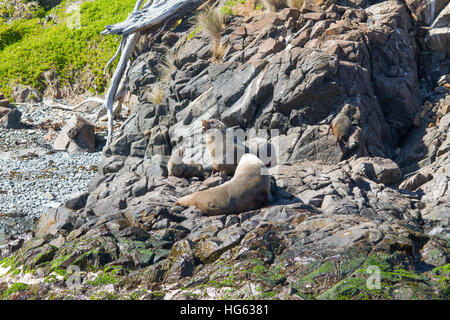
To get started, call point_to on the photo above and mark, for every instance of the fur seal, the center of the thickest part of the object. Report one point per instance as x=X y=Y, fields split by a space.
x=249 y=189
x=218 y=140
x=342 y=124
x=233 y=148
x=178 y=168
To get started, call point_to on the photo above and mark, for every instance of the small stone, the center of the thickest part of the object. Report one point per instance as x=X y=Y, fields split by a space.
x=49 y=196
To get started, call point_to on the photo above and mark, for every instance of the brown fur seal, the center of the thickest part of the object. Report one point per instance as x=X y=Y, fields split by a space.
x=178 y=168
x=342 y=124
x=249 y=189
x=233 y=148
x=218 y=139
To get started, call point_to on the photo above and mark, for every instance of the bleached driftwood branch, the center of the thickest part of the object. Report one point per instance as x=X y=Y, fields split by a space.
x=156 y=13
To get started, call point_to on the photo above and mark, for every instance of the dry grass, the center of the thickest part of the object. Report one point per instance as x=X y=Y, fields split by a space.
x=274 y=5
x=211 y=20
x=156 y=93
x=167 y=66
x=297 y=4
x=218 y=50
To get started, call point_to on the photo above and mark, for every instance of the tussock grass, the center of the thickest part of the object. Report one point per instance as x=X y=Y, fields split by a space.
x=211 y=20
x=219 y=50
x=274 y=5
x=167 y=66
x=156 y=93
x=296 y=4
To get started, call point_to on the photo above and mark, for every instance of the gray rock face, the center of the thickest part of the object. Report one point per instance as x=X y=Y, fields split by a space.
x=294 y=90
x=380 y=200
x=438 y=38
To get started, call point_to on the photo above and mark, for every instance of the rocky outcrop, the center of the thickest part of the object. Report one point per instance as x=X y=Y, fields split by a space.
x=326 y=226
x=438 y=38
x=293 y=87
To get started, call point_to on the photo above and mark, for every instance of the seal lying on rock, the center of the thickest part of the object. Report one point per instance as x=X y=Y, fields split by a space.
x=248 y=190
x=178 y=168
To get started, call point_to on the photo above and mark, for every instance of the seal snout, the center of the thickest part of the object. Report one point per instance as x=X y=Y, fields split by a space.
x=205 y=125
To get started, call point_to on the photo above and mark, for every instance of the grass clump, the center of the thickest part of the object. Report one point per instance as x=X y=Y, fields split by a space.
x=167 y=66
x=156 y=93
x=211 y=20
x=242 y=8
x=296 y=4
x=274 y=5
x=16 y=287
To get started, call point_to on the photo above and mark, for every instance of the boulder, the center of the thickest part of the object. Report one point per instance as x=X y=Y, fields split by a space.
x=380 y=170
x=443 y=19
x=438 y=39
x=12 y=120
x=76 y=136
x=425 y=11
x=25 y=94
x=55 y=220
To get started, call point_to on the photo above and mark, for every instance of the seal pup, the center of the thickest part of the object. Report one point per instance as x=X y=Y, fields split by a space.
x=249 y=189
x=341 y=125
x=225 y=149
x=177 y=167
x=233 y=147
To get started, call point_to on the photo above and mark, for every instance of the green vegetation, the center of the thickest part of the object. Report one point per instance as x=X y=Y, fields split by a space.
x=231 y=7
x=395 y=282
x=8 y=262
x=211 y=20
x=16 y=287
x=271 y=276
x=228 y=5
x=103 y=279
x=72 y=46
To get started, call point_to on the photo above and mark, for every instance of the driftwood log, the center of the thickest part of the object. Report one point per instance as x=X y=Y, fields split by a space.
x=156 y=14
